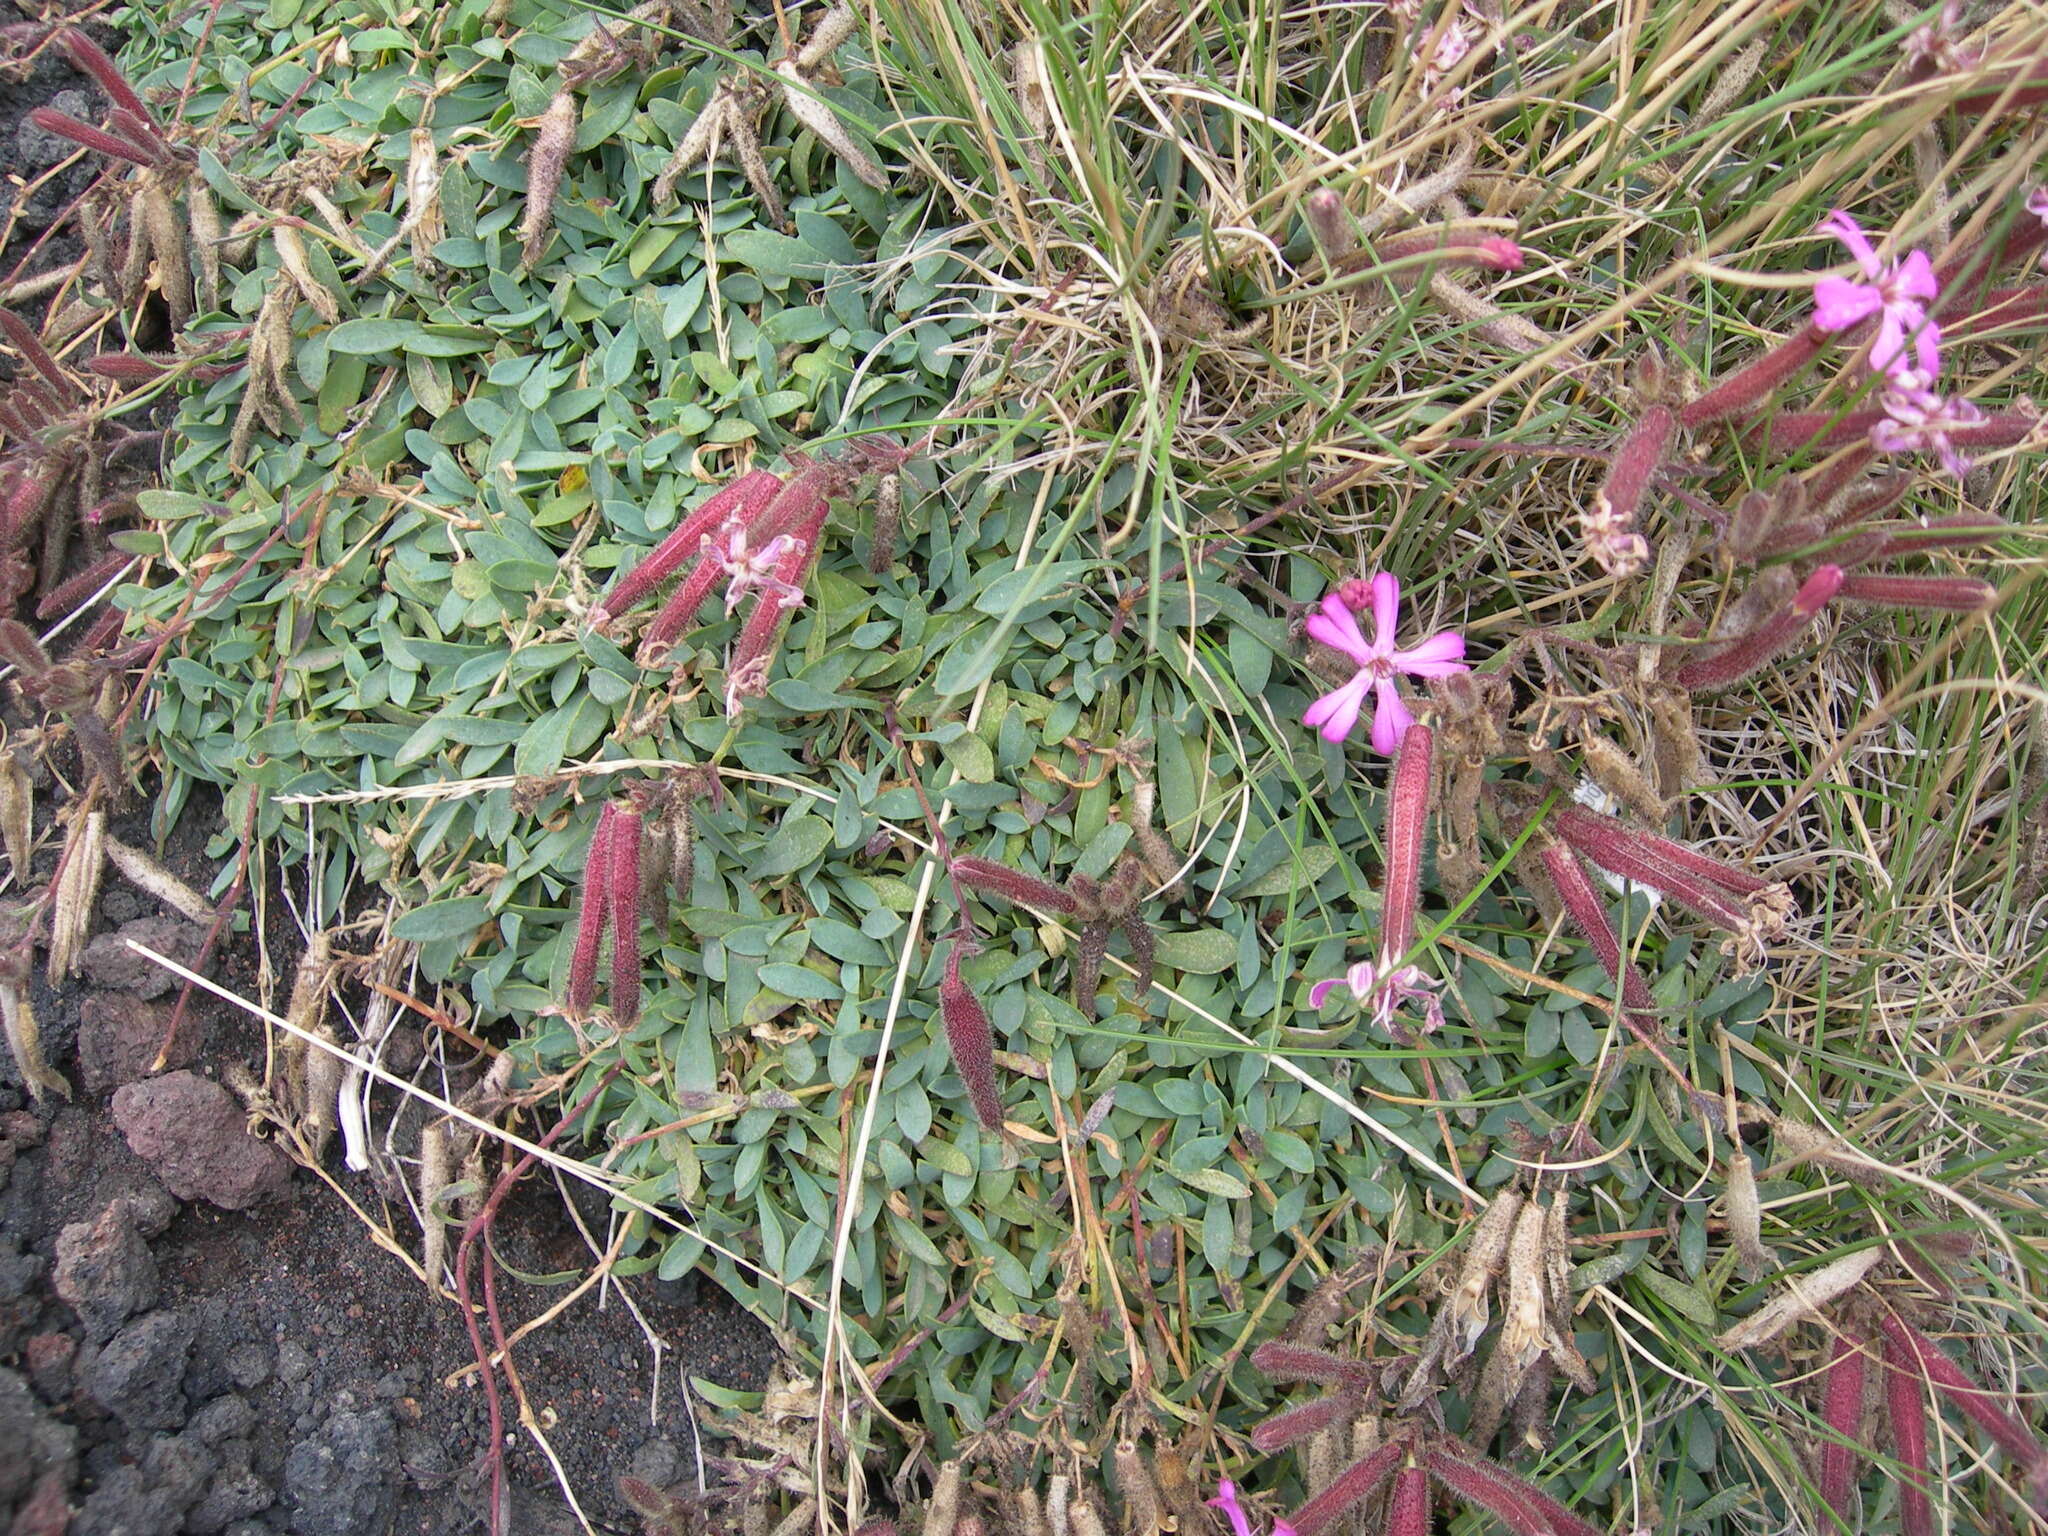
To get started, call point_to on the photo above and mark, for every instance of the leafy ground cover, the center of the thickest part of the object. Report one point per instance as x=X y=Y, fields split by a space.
x=968 y=874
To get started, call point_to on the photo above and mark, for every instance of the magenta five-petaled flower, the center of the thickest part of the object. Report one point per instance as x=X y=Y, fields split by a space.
x=1916 y=419
x=1897 y=293
x=1385 y=990
x=1335 y=713
x=1240 y=1523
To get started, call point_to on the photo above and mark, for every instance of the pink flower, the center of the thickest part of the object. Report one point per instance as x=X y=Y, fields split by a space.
x=752 y=568
x=1897 y=293
x=1240 y=1523
x=1916 y=419
x=1384 y=991
x=1336 y=713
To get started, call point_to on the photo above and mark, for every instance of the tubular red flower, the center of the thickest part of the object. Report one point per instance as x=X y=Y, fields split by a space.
x=1407 y=814
x=1843 y=1413
x=747 y=497
x=1637 y=460
x=1283 y=1361
x=1925 y=1358
x=36 y=355
x=1968 y=531
x=1939 y=594
x=65 y=126
x=1651 y=858
x=799 y=511
x=987 y=876
x=1907 y=1414
x=593 y=914
x=1745 y=654
x=1291 y=1426
x=1354 y=1484
x=624 y=879
x=1518 y=1504
x=1589 y=915
x=1746 y=389
x=1408 y=1509
x=972 y=1042
x=93 y=60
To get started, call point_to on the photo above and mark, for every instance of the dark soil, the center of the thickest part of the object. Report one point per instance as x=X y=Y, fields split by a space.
x=35 y=194
x=167 y=1365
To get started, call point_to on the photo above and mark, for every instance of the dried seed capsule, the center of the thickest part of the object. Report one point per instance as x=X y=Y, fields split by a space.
x=544 y=167
x=888 y=524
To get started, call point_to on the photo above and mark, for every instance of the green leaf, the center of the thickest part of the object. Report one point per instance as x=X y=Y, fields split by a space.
x=971 y=757
x=774 y=255
x=800 y=839
x=455 y=918
x=1214 y=1181
x=1204 y=952
x=1295 y=874
x=1686 y=1300
x=800 y=981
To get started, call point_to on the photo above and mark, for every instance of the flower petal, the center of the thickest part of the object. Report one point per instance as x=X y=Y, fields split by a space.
x=1916 y=278
x=1927 y=346
x=1850 y=233
x=1839 y=303
x=1226 y=1500
x=1390 y=719
x=1335 y=713
x=1889 y=349
x=1335 y=627
x=1386 y=609
x=1320 y=992
x=1439 y=656
x=1361 y=979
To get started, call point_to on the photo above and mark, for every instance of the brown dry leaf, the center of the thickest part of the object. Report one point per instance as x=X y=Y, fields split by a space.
x=25 y=1040
x=1801 y=1297
x=85 y=860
